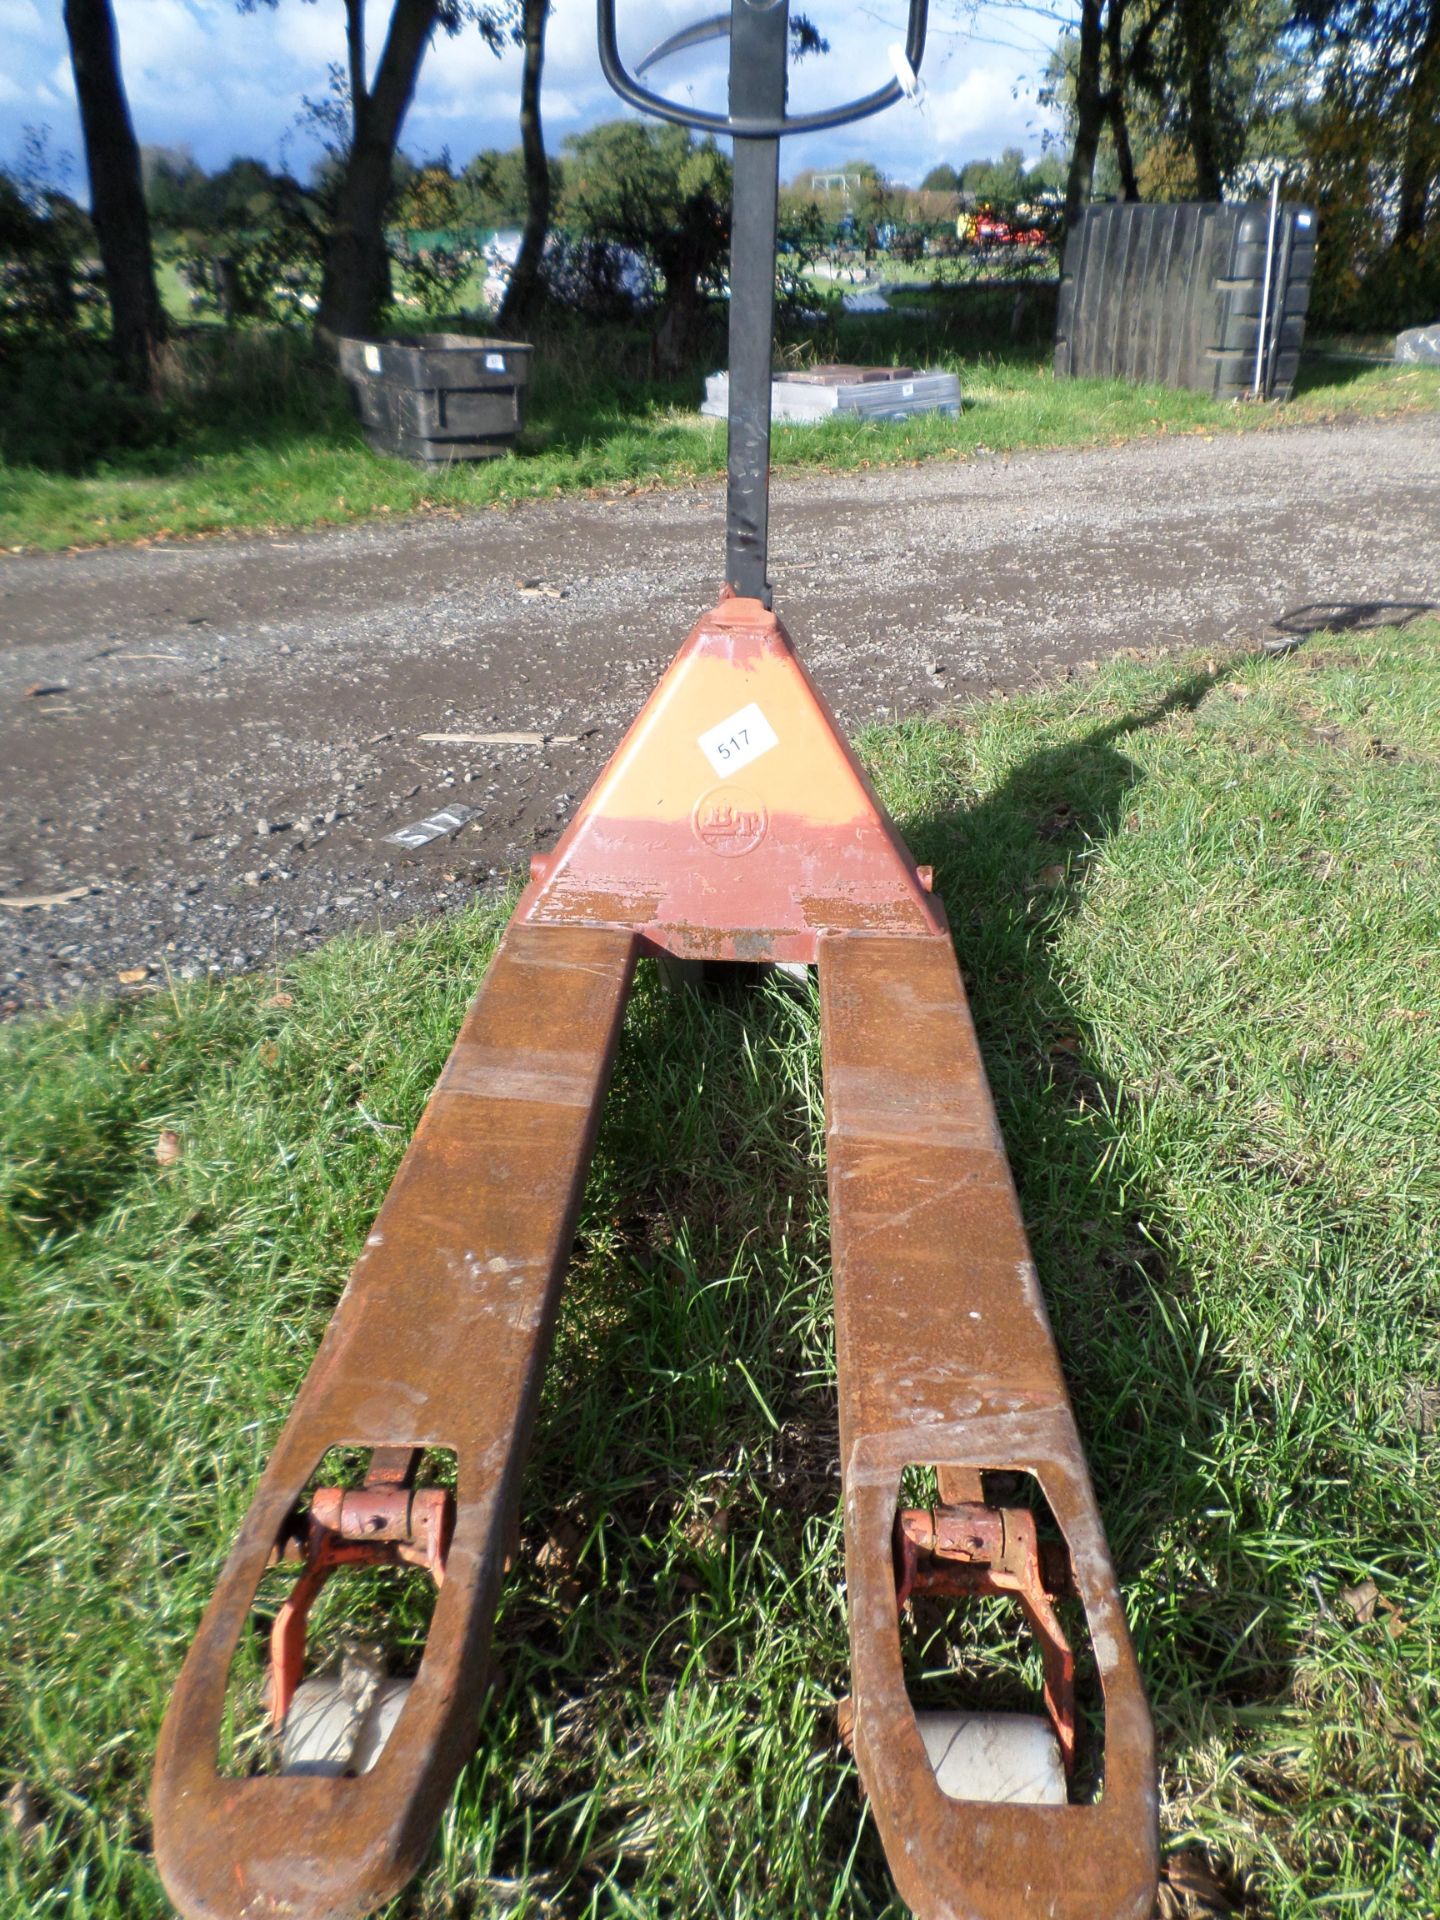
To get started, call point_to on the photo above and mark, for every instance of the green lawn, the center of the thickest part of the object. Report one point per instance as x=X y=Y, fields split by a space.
x=1198 y=906
x=255 y=437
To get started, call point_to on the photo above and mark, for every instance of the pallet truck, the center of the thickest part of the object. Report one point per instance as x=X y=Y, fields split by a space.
x=733 y=824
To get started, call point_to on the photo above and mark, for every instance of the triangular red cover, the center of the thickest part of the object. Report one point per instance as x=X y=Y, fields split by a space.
x=733 y=821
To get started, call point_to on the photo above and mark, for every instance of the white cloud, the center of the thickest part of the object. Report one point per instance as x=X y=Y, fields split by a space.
x=20 y=17
x=201 y=74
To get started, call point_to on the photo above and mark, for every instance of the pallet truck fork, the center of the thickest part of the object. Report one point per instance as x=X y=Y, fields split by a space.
x=732 y=824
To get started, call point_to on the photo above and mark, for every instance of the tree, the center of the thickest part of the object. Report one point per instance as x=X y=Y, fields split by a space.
x=439 y=250
x=42 y=235
x=1166 y=170
x=495 y=182
x=174 y=186
x=183 y=198
x=1380 y=109
x=941 y=179
x=259 y=257
x=1199 y=41
x=1420 y=149
x=1176 y=98
x=117 y=194
x=872 y=198
x=1371 y=149
x=365 y=115
x=523 y=291
x=662 y=195
x=1094 y=75
x=1121 y=61
x=1087 y=103
x=1048 y=175
x=428 y=195
x=999 y=182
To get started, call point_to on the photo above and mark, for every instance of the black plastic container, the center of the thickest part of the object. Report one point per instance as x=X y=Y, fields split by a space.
x=1174 y=294
x=438 y=396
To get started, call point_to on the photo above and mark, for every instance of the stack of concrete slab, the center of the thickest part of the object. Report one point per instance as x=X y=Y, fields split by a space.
x=872 y=393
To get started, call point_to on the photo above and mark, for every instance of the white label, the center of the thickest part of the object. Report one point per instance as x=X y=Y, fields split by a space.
x=372 y=359
x=738 y=740
x=448 y=820
x=1302 y=219
x=907 y=390
x=495 y=363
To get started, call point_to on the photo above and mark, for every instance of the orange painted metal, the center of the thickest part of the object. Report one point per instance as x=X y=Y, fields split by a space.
x=377 y=1525
x=733 y=854
x=954 y=1552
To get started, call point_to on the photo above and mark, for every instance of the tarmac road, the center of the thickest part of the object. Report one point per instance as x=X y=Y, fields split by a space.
x=235 y=726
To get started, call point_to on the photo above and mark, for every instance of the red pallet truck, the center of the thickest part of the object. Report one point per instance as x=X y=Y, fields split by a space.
x=733 y=824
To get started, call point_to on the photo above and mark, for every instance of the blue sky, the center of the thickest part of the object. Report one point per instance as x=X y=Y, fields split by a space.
x=203 y=76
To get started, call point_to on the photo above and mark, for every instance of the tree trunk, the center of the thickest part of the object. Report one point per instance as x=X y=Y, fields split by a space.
x=1420 y=161
x=117 y=195
x=1115 y=98
x=522 y=294
x=356 y=270
x=1124 y=156
x=678 y=323
x=1089 y=112
x=1201 y=42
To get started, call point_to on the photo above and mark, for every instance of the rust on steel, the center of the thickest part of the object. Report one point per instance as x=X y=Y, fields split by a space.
x=438 y=1341
x=414 y=1520
x=385 y=1523
x=945 y=1358
x=956 y=1552
x=735 y=823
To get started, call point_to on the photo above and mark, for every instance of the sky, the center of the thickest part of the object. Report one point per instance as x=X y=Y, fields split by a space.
x=201 y=75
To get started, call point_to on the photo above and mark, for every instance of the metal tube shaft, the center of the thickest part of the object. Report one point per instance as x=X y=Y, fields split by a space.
x=759 y=36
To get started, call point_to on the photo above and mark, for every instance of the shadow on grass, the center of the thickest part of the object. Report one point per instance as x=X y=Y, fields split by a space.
x=559 y=424
x=1325 y=367
x=62 y=410
x=1012 y=323
x=1149 y=1392
x=1343 y=616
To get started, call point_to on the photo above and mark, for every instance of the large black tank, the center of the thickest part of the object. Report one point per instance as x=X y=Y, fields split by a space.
x=1173 y=293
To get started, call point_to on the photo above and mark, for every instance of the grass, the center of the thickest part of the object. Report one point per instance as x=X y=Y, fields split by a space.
x=253 y=436
x=1198 y=907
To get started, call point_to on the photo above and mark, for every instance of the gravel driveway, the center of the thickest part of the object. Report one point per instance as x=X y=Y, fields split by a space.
x=215 y=739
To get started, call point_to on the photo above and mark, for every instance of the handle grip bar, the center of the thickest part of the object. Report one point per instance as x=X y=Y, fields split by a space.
x=744 y=127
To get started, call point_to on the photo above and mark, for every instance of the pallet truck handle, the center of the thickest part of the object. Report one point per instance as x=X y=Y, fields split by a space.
x=744 y=125
x=759 y=33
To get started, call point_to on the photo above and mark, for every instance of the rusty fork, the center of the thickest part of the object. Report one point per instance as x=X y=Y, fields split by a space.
x=439 y=1342
x=386 y=1522
x=943 y=1347
x=965 y=1551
